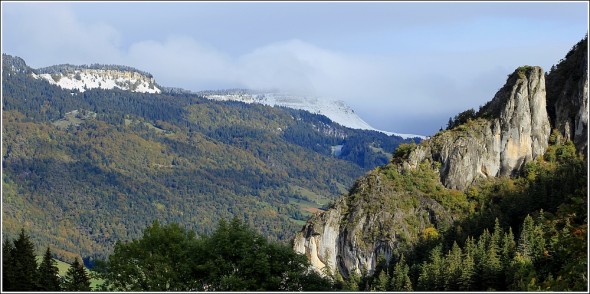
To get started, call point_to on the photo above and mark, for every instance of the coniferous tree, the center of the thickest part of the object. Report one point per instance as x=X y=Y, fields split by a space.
x=76 y=278
x=432 y=273
x=24 y=265
x=531 y=242
x=49 y=279
x=382 y=282
x=353 y=281
x=525 y=241
x=480 y=257
x=453 y=267
x=508 y=249
x=492 y=264
x=466 y=280
x=7 y=265
x=401 y=280
x=522 y=275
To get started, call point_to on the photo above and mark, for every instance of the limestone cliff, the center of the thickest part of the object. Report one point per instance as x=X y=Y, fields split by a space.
x=567 y=95
x=378 y=218
x=83 y=78
x=394 y=205
x=508 y=131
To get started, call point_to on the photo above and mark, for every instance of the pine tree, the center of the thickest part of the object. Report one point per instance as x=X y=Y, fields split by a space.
x=522 y=275
x=353 y=281
x=468 y=271
x=401 y=280
x=24 y=265
x=7 y=265
x=76 y=278
x=531 y=242
x=480 y=256
x=492 y=264
x=466 y=280
x=453 y=267
x=432 y=274
x=524 y=241
x=382 y=281
x=49 y=279
x=508 y=249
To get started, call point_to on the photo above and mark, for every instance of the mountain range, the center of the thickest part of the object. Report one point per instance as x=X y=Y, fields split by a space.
x=97 y=76
x=91 y=156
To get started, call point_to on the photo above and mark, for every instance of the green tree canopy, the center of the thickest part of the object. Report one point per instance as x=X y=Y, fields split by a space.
x=233 y=258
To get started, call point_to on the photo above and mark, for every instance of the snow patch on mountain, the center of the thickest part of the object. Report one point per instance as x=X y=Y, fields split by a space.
x=85 y=79
x=337 y=111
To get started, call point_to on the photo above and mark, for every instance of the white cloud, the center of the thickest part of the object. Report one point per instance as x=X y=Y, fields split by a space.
x=181 y=61
x=295 y=65
x=41 y=30
x=386 y=89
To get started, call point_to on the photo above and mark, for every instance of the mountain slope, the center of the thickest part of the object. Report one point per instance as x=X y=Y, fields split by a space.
x=82 y=170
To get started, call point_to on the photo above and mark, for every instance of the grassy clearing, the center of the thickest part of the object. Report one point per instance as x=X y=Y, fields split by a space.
x=63 y=269
x=309 y=202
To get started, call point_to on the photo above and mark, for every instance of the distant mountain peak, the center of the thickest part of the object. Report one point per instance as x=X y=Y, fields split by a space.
x=84 y=77
x=336 y=110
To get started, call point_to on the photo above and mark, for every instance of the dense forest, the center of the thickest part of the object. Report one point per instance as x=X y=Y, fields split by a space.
x=84 y=170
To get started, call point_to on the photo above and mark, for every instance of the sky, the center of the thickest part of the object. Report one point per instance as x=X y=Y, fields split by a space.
x=404 y=67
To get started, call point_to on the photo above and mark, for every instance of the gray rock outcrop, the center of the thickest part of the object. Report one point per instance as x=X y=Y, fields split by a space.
x=510 y=130
x=568 y=95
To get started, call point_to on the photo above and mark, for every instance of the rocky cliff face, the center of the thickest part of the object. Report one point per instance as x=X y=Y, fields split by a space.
x=83 y=79
x=377 y=219
x=392 y=206
x=509 y=131
x=568 y=95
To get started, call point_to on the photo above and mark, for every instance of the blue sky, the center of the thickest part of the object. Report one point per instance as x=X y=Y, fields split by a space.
x=403 y=66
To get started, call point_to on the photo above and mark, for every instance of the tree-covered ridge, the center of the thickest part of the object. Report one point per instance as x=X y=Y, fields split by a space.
x=129 y=158
x=69 y=68
x=14 y=64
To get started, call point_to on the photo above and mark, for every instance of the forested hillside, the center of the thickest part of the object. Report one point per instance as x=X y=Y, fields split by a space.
x=84 y=170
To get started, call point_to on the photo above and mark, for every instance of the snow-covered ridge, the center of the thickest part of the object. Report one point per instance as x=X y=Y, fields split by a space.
x=337 y=111
x=82 y=79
